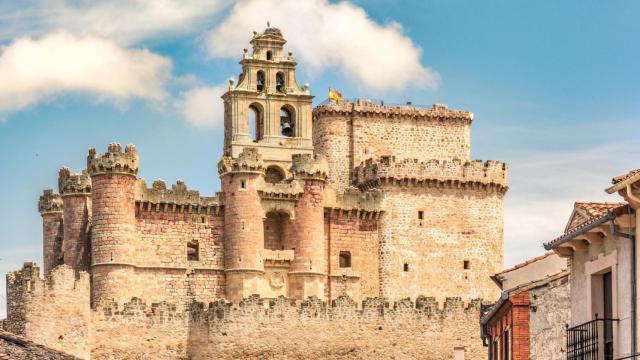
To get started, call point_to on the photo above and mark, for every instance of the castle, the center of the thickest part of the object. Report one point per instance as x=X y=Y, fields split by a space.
x=327 y=213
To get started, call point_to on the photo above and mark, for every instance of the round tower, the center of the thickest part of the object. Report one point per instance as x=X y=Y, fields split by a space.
x=51 y=207
x=309 y=267
x=241 y=178
x=113 y=231
x=75 y=190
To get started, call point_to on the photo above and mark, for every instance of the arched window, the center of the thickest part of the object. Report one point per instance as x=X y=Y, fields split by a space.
x=280 y=87
x=254 y=123
x=273 y=175
x=269 y=55
x=286 y=122
x=260 y=80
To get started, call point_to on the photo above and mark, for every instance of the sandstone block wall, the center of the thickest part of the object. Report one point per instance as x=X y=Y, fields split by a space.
x=550 y=312
x=311 y=330
x=52 y=312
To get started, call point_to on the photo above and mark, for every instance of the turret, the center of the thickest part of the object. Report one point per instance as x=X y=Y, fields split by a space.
x=51 y=207
x=113 y=231
x=243 y=222
x=308 y=271
x=75 y=190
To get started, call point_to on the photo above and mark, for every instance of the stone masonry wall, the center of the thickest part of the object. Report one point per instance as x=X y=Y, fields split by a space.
x=310 y=330
x=549 y=313
x=358 y=236
x=53 y=312
x=458 y=226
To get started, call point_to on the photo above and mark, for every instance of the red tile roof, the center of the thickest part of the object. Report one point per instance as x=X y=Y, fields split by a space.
x=15 y=347
x=619 y=182
x=523 y=264
x=624 y=177
x=599 y=211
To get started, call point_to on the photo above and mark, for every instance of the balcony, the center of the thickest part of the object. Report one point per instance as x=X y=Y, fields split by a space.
x=592 y=340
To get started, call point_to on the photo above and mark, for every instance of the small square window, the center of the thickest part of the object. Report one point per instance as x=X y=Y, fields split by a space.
x=420 y=215
x=345 y=259
x=193 y=253
x=406 y=267
x=466 y=264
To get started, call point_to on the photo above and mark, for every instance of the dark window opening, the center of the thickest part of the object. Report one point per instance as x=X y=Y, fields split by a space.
x=243 y=184
x=507 y=346
x=193 y=251
x=406 y=267
x=260 y=80
x=420 y=215
x=466 y=264
x=273 y=175
x=345 y=259
x=286 y=122
x=280 y=82
x=269 y=55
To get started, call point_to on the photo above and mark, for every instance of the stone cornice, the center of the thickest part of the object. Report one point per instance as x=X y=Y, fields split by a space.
x=366 y=108
x=50 y=202
x=70 y=183
x=114 y=161
x=490 y=176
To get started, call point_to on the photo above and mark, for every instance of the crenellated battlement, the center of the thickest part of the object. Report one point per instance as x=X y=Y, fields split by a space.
x=434 y=173
x=367 y=108
x=281 y=191
x=60 y=281
x=158 y=196
x=249 y=160
x=70 y=183
x=114 y=160
x=308 y=166
x=50 y=202
x=353 y=202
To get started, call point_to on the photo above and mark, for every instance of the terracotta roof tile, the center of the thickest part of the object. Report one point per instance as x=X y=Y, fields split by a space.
x=624 y=177
x=601 y=210
x=523 y=264
x=597 y=209
x=14 y=347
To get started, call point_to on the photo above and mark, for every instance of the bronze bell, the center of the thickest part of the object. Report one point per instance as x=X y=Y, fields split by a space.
x=287 y=130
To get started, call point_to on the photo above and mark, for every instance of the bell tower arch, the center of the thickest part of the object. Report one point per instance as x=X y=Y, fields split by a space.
x=266 y=108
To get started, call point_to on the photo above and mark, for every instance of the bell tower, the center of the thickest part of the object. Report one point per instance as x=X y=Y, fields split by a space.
x=266 y=108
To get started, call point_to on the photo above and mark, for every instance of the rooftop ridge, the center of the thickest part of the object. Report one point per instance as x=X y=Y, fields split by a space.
x=490 y=173
x=365 y=107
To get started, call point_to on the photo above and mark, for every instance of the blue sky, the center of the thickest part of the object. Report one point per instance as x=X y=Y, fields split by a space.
x=554 y=87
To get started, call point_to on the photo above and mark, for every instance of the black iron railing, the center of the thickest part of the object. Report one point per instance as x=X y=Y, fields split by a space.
x=592 y=340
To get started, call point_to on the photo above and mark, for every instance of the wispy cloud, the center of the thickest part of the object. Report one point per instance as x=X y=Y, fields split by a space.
x=329 y=36
x=33 y=69
x=546 y=184
x=123 y=21
x=202 y=106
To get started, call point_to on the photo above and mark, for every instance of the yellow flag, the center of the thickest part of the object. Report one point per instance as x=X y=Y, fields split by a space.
x=334 y=94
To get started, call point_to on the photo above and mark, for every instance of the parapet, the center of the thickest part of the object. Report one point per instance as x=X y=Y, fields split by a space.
x=50 y=202
x=114 y=160
x=174 y=199
x=353 y=202
x=434 y=173
x=282 y=191
x=70 y=183
x=248 y=161
x=308 y=166
x=367 y=108
x=62 y=279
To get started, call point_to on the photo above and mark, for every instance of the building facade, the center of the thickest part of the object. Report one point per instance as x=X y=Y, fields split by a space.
x=600 y=243
x=348 y=200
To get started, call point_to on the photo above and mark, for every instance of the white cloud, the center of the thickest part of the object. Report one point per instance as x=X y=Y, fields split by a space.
x=33 y=69
x=545 y=185
x=202 y=106
x=324 y=35
x=125 y=21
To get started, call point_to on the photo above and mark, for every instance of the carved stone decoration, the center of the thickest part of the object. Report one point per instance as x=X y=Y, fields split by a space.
x=307 y=166
x=178 y=194
x=114 y=160
x=70 y=183
x=277 y=280
x=50 y=202
x=249 y=160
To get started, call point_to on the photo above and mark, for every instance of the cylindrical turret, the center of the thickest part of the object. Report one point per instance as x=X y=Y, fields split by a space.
x=243 y=223
x=113 y=231
x=75 y=190
x=308 y=270
x=51 y=209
